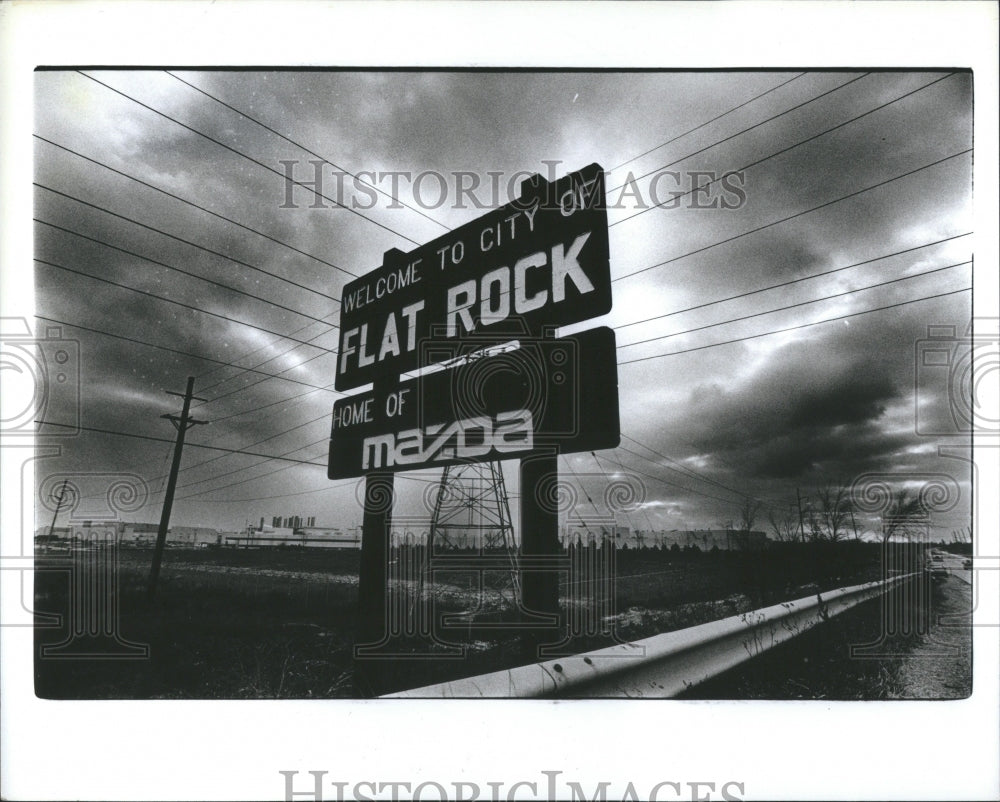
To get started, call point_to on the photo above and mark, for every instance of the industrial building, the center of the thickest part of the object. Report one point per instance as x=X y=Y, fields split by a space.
x=310 y=536
x=262 y=535
x=133 y=534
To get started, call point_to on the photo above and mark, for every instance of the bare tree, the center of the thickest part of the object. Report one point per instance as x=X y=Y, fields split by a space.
x=904 y=517
x=747 y=517
x=785 y=526
x=748 y=514
x=815 y=523
x=833 y=513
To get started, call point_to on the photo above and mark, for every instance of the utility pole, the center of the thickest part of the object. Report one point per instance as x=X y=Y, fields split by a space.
x=802 y=529
x=59 y=503
x=182 y=424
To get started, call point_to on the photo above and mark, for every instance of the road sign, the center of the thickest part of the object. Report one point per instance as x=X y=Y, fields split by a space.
x=540 y=260
x=559 y=393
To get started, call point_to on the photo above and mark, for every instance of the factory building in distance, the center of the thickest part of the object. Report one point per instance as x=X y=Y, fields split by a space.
x=301 y=532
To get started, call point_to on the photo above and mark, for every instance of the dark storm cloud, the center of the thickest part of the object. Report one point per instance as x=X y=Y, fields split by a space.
x=818 y=406
x=790 y=397
x=829 y=401
x=817 y=451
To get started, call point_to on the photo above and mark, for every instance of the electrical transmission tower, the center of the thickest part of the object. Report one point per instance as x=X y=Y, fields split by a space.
x=471 y=503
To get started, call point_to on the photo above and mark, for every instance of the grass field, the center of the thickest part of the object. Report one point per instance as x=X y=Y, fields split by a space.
x=243 y=624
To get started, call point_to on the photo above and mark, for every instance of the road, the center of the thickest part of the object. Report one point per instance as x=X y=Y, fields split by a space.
x=940 y=665
x=953 y=562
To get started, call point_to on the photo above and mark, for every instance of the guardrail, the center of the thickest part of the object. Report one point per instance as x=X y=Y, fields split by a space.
x=663 y=665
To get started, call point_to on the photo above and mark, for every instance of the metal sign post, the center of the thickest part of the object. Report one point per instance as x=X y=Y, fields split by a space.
x=372 y=580
x=539 y=539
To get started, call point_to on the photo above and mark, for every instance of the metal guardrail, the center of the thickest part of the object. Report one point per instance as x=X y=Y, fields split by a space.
x=664 y=665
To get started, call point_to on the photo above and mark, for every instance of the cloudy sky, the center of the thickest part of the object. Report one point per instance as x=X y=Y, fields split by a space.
x=160 y=222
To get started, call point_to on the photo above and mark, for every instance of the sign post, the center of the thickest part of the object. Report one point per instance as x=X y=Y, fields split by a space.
x=539 y=539
x=373 y=578
x=482 y=302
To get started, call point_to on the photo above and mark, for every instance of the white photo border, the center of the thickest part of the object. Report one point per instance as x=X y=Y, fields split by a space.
x=235 y=750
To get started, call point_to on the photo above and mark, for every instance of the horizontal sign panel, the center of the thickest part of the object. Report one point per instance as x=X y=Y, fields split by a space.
x=546 y=393
x=540 y=260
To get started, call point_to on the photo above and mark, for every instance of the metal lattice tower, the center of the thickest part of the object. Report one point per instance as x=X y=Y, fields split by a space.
x=472 y=499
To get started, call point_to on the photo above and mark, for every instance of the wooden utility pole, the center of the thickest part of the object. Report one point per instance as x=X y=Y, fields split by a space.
x=59 y=503
x=182 y=423
x=802 y=529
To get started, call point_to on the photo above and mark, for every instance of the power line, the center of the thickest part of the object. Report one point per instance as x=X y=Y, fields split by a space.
x=280 y=354
x=248 y=479
x=624 y=470
x=795 y=305
x=187 y=242
x=307 y=150
x=180 y=352
x=708 y=122
x=258 y=442
x=245 y=156
x=261 y=364
x=196 y=206
x=794 y=328
x=290 y=400
x=246 y=387
x=182 y=423
x=583 y=490
x=223 y=456
x=684 y=469
x=791 y=281
x=181 y=304
x=248 y=445
x=667 y=481
x=190 y=496
x=165 y=440
x=793 y=216
x=186 y=273
x=745 y=130
x=788 y=148
x=262 y=498
x=267 y=376
x=331 y=486
x=767 y=502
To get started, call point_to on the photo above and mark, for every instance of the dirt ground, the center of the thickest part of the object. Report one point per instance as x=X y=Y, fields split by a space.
x=940 y=665
x=269 y=624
